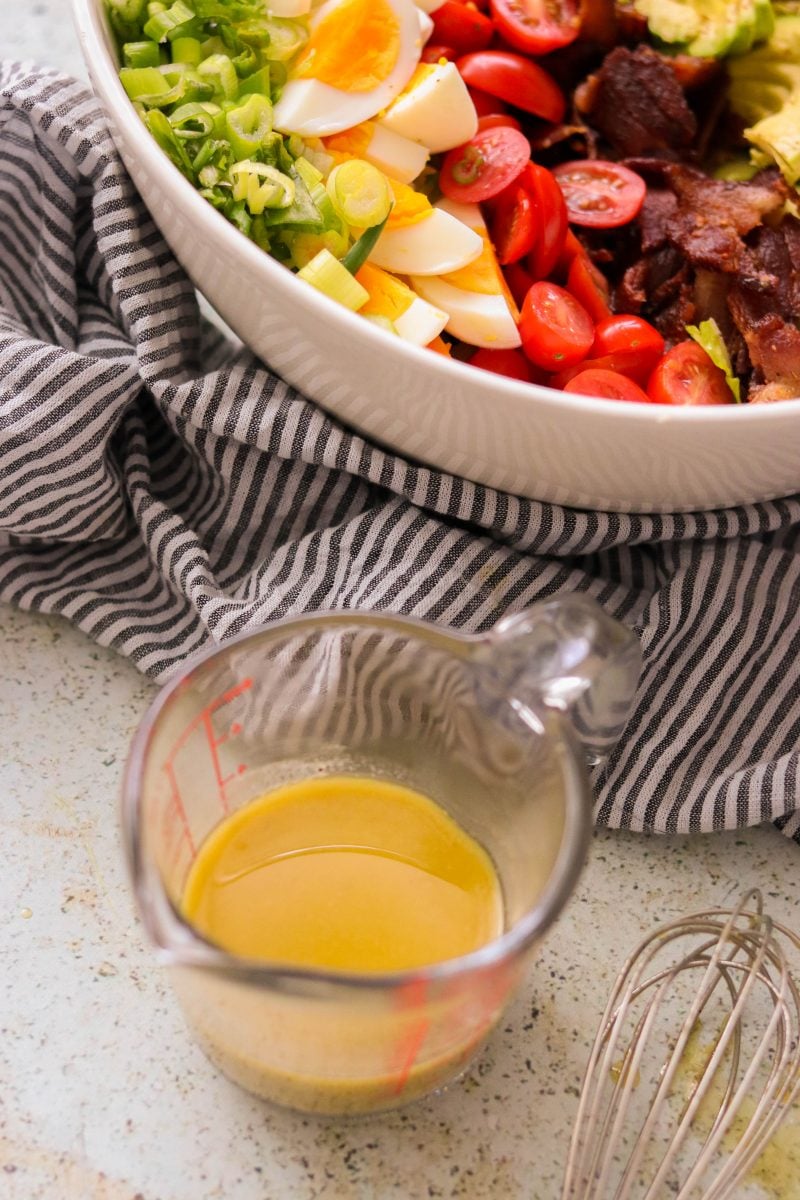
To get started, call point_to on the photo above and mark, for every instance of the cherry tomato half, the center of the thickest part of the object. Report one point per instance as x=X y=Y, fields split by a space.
x=608 y=385
x=514 y=224
x=553 y=221
x=510 y=363
x=434 y=52
x=589 y=286
x=536 y=26
x=461 y=26
x=485 y=165
x=555 y=330
x=484 y=103
x=515 y=79
x=634 y=339
x=519 y=282
x=622 y=363
x=493 y=119
x=686 y=375
x=598 y=193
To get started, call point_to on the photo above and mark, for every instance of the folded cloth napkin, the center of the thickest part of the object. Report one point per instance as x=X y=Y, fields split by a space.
x=163 y=490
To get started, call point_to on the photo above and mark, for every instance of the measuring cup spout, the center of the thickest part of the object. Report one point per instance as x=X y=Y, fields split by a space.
x=565 y=654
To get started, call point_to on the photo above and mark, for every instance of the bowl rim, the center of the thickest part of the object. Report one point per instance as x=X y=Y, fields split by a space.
x=90 y=20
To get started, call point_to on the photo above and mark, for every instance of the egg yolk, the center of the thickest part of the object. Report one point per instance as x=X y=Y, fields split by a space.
x=408 y=207
x=388 y=297
x=483 y=276
x=353 y=48
x=350 y=143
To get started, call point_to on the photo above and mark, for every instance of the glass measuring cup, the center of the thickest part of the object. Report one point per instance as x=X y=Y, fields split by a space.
x=495 y=728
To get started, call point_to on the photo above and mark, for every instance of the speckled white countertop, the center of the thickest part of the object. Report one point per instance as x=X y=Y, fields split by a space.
x=103 y=1096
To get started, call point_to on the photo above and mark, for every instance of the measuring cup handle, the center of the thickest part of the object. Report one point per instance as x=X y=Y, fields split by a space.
x=567 y=654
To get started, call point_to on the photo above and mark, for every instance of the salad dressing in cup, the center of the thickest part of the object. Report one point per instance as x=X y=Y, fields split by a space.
x=483 y=737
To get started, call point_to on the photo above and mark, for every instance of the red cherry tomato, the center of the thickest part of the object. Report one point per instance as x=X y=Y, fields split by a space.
x=553 y=223
x=686 y=375
x=599 y=193
x=485 y=165
x=493 y=119
x=484 y=103
x=606 y=384
x=514 y=224
x=461 y=26
x=433 y=52
x=515 y=79
x=519 y=282
x=536 y=26
x=621 y=363
x=556 y=331
x=510 y=363
x=589 y=286
x=633 y=339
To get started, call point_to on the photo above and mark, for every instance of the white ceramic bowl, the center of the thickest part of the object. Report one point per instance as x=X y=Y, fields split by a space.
x=529 y=440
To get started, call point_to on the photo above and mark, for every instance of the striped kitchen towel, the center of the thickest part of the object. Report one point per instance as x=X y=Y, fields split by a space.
x=163 y=490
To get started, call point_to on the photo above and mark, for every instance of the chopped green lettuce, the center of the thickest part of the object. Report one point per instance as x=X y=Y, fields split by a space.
x=708 y=335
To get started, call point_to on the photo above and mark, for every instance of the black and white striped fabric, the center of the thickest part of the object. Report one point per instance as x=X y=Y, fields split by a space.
x=162 y=490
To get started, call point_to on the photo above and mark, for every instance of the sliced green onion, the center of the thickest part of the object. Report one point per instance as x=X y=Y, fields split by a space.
x=360 y=251
x=305 y=246
x=261 y=186
x=256 y=84
x=141 y=54
x=187 y=50
x=143 y=82
x=328 y=275
x=191 y=121
x=307 y=171
x=192 y=84
x=248 y=124
x=360 y=193
x=170 y=143
x=221 y=73
x=212 y=149
x=285 y=38
x=171 y=22
x=255 y=32
x=212 y=45
x=126 y=18
x=239 y=216
x=302 y=215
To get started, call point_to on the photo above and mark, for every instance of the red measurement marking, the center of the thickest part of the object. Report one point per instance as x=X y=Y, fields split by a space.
x=225 y=698
x=177 y=804
x=203 y=718
x=411 y=995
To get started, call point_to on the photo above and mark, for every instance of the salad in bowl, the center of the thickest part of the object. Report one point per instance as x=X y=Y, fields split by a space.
x=573 y=196
x=415 y=162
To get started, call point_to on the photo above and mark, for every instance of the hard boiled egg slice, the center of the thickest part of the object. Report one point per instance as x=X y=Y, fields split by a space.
x=359 y=56
x=422 y=240
x=389 y=152
x=481 y=310
x=429 y=6
x=414 y=319
x=435 y=108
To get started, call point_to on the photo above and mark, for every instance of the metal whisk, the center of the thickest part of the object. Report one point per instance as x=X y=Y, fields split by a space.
x=660 y=1114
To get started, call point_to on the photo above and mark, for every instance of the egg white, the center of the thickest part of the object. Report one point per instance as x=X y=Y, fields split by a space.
x=438 y=111
x=433 y=246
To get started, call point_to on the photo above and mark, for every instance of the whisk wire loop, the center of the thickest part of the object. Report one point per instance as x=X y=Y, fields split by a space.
x=744 y=1087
